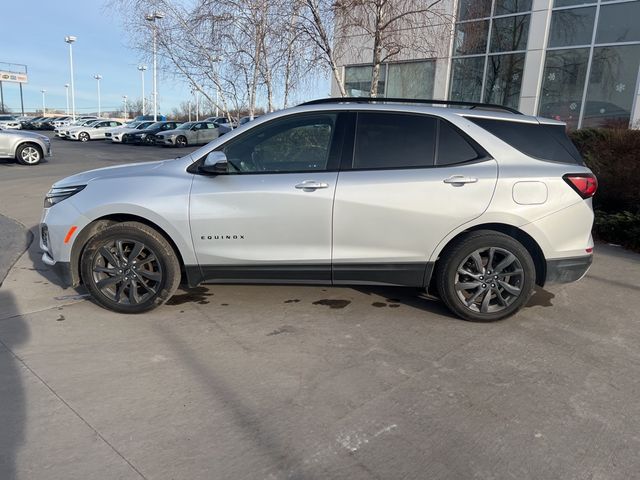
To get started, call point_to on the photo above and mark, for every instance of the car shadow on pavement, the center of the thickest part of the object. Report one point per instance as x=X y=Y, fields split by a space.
x=412 y=297
x=13 y=333
x=35 y=255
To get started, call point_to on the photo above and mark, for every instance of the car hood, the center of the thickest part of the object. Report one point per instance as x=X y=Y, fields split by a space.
x=23 y=134
x=148 y=132
x=120 y=171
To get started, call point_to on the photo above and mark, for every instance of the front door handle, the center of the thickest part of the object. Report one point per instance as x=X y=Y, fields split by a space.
x=310 y=185
x=459 y=180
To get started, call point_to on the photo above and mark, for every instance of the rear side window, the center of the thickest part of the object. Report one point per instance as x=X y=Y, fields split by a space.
x=453 y=148
x=391 y=140
x=546 y=142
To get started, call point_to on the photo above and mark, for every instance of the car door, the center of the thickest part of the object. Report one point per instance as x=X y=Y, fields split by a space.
x=411 y=179
x=209 y=132
x=269 y=218
x=4 y=144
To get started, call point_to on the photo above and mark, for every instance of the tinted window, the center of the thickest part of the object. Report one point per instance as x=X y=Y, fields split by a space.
x=390 y=140
x=298 y=144
x=452 y=146
x=546 y=142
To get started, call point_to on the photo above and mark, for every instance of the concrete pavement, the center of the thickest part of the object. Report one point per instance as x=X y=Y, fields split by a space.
x=271 y=382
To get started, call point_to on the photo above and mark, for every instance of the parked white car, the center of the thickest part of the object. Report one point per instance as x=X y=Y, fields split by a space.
x=65 y=130
x=9 y=122
x=95 y=131
x=70 y=121
x=116 y=134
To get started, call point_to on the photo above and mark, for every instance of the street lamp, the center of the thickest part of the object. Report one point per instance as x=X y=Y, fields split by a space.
x=152 y=17
x=44 y=105
x=142 y=69
x=98 y=77
x=70 y=39
x=195 y=94
x=66 y=89
x=124 y=98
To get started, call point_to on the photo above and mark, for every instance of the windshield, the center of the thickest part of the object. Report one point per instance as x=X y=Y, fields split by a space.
x=143 y=125
x=186 y=126
x=156 y=125
x=133 y=124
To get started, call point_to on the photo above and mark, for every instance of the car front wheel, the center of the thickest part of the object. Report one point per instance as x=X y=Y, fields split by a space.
x=83 y=137
x=29 y=155
x=181 y=141
x=130 y=268
x=485 y=276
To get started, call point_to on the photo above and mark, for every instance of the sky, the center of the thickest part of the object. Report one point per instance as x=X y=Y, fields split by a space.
x=33 y=33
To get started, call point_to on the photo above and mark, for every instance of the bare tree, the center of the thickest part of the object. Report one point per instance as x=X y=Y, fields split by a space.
x=392 y=28
x=317 y=23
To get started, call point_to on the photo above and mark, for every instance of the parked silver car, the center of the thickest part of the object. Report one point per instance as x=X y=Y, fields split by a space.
x=190 y=133
x=26 y=147
x=477 y=205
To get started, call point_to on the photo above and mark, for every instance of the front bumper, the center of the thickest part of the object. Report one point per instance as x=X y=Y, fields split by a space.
x=566 y=270
x=165 y=141
x=61 y=269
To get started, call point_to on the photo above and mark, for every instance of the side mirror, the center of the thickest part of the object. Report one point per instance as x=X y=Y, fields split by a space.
x=215 y=164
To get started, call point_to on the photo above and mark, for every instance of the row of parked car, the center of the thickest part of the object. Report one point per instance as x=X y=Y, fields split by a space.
x=141 y=131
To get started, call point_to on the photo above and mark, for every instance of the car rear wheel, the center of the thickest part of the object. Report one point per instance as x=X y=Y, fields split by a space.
x=29 y=154
x=130 y=268
x=181 y=141
x=485 y=276
x=83 y=137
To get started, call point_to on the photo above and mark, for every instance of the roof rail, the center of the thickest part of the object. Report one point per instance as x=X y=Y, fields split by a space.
x=470 y=105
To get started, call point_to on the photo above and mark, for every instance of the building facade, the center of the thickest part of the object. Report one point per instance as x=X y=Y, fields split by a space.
x=573 y=60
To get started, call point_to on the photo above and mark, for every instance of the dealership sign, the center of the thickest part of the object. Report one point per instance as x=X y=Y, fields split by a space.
x=13 y=77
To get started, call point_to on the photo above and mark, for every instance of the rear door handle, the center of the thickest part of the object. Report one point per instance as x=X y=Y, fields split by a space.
x=311 y=185
x=459 y=180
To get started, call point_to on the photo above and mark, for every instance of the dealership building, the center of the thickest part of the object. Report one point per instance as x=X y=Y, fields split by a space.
x=577 y=61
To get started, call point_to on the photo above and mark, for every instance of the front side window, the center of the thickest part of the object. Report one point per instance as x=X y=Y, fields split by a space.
x=390 y=140
x=298 y=144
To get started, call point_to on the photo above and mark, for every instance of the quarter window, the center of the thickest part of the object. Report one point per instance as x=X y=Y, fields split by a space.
x=390 y=140
x=298 y=144
x=452 y=146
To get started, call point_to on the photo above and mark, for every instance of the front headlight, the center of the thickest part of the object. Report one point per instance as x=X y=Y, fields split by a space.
x=58 y=194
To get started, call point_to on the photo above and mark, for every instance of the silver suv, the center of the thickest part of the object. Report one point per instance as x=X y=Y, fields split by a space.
x=476 y=204
x=26 y=147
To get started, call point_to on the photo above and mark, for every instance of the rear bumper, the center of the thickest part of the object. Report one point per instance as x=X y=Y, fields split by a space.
x=566 y=270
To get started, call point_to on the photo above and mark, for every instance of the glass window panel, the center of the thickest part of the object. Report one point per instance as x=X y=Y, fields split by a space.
x=619 y=23
x=468 y=9
x=504 y=79
x=300 y=143
x=411 y=80
x=386 y=140
x=453 y=147
x=357 y=80
x=504 y=7
x=564 y=76
x=612 y=83
x=471 y=37
x=572 y=27
x=570 y=3
x=510 y=33
x=466 y=79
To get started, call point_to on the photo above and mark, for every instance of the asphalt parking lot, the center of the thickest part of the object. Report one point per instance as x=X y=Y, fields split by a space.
x=279 y=382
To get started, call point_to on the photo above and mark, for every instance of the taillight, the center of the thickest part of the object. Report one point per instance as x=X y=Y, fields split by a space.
x=585 y=184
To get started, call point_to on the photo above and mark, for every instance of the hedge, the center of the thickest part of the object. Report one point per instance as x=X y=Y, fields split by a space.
x=614 y=156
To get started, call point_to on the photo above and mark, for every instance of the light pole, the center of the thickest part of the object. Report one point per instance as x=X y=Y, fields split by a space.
x=98 y=77
x=44 y=105
x=197 y=97
x=70 y=39
x=142 y=69
x=124 y=98
x=152 y=17
x=66 y=89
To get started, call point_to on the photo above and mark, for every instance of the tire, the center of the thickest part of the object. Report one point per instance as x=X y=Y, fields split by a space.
x=29 y=154
x=83 y=137
x=181 y=141
x=116 y=281
x=480 y=294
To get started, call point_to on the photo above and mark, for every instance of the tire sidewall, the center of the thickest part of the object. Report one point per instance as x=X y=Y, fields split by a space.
x=83 y=137
x=461 y=250
x=131 y=231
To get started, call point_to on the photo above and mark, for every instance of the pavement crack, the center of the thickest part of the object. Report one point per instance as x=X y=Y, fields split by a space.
x=73 y=410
